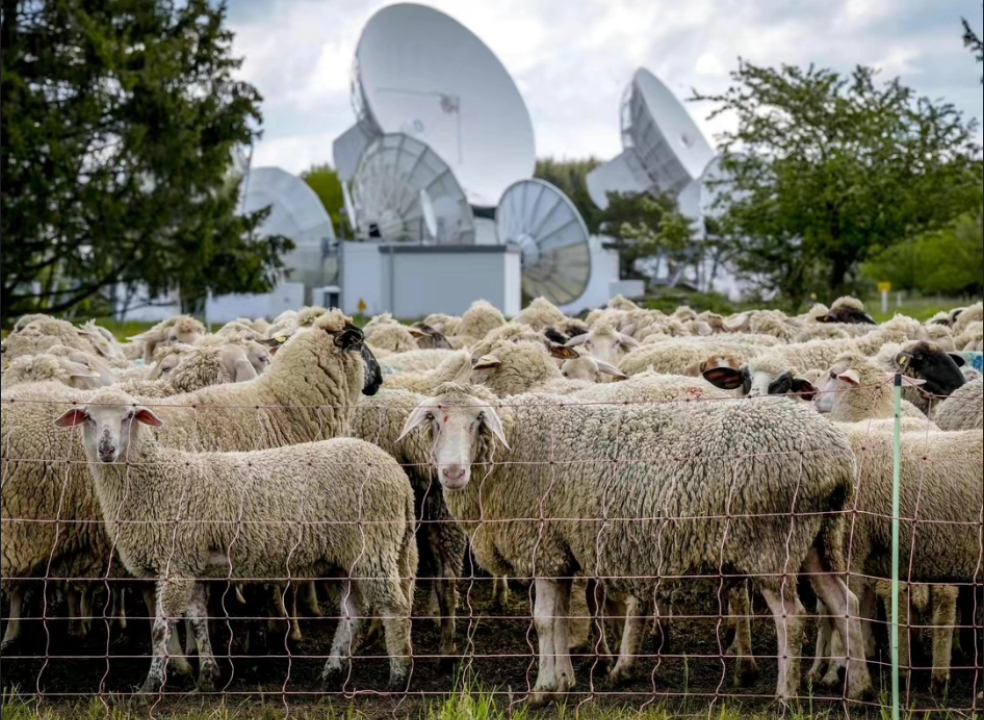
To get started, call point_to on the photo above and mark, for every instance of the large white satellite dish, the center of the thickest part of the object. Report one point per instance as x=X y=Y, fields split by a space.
x=543 y=223
x=297 y=213
x=717 y=188
x=347 y=149
x=667 y=142
x=620 y=174
x=394 y=172
x=419 y=72
x=430 y=216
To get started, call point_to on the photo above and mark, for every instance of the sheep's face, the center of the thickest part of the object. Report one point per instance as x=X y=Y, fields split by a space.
x=758 y=383
x=108 y=426
x=609 y=347
x=456 y=432
x=927 y=361
x=589 y=369
x=834 y=387
x=258 y=355
x=180 y=334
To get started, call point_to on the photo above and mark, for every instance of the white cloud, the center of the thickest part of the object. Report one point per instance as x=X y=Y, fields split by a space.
x=572 y=60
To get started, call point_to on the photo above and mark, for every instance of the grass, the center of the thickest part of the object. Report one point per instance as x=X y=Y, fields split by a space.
x=921 y=309
x=464 y=705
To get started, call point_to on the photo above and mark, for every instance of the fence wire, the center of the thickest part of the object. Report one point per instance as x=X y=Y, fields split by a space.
x=642 y=629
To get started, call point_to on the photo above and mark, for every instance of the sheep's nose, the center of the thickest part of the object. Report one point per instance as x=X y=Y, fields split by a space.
x=454 y=475
x=107 y=455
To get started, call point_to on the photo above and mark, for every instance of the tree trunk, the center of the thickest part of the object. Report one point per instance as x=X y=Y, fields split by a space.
x=838 y=275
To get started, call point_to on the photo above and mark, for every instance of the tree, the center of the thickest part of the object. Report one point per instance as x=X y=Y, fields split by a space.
x=571 y=177
x=119 y=117
x=975 y=44
x=949 y=261
x=644 y=226
x=834 y=169
x=324 y=181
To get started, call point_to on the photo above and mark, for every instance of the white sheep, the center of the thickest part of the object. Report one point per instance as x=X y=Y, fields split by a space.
x=309 y=510
x=547 y=499
x=964 y=409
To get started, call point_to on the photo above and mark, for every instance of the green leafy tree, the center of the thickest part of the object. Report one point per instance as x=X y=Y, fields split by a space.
x=974 y=42
x=949 y=261
x=643 y=227
x=830 y=170
x=571 y=177
x=118 y=120
x=324 y=181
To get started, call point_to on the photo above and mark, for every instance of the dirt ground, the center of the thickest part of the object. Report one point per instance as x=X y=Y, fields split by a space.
x=499 y=652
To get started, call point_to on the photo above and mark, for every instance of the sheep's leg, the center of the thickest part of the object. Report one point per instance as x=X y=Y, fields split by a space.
x=789 y=633
x=500 y=592
x=630 y=646
x=563 y=669
x=346 y=634
x=596 y=598
x=173 y=599
x=825 y=632
x=868 y=602
x=208 y=668
x=392 y=603
x=844 y=609
x=944 y=602
x=543 y=608
x=85 y=606
x=178 y=663
x=295 y=624
x=280 y=624
x=447 y=600
x=15 y=594
x=740 y=611
x=73 y=597
x=310 y=599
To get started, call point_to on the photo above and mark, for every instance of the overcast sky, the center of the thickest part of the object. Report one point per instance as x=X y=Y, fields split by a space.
x=571 y=59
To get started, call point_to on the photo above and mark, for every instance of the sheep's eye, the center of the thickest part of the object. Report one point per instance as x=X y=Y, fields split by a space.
x=565 y=374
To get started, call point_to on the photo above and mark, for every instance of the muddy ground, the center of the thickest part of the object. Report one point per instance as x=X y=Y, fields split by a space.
x=498 y=651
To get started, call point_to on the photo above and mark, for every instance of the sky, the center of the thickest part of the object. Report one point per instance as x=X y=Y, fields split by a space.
x=572 y=59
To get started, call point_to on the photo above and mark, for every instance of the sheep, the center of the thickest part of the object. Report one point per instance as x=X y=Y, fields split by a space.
x=179 y=329
x=340 y=505
x=441 y=542
x=963 y=410
x=925 y=361
x=394 y=337
x=676 y=357
x=539 y=315
x=428 y=337
x=454 y=366
x=941 y=485
x=416 y=361
x=480 y=319
x=445 y=324
x=525 y=456
x=309 y=393
x=604 y=343
x=967 y=317
x=588 y=369
x=848 y=310
x=40 y=336
x=821 y=332
x=45 y=367
x=969 y=340
x=856 y=389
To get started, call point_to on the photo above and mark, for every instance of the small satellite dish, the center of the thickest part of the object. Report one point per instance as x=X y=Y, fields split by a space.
x=669 y=145
x=543 y=223
x=430 y=217
x=418 y=71
x=395 y=171
x=296 y=212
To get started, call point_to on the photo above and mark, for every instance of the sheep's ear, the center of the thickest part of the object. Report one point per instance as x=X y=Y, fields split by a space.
x=958 y=359
x=490 y=418
x=73 y=417
x=423 y=413
x=607 y=369
x=575 y=341
x=486 y=362
x=555 y=336
x=724 y=378
x=851 y=377
x=804 y=388
x=906 y=380
x=417 y=333
x=561 y=352
x=273 y=342
x=628 y=341
x=350 y=339
x=629 y=329
x=145 y=416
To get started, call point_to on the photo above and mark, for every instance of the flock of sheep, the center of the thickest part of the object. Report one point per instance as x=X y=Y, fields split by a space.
x=601 y=458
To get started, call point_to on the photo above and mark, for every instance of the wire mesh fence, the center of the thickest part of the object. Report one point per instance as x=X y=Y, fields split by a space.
x=539 y=547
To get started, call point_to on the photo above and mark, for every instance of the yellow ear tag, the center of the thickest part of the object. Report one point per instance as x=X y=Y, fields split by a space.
x=280 y=339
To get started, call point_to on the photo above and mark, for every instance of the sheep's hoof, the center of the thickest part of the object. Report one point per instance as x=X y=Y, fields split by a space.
x=618 y=676
x=397 y=684
x=332 y=679
x=862 y=690
x=939 y=686
x=148 y=693
x=7 y=645
x=206 y=684
x=746 y=673
x=76 y=630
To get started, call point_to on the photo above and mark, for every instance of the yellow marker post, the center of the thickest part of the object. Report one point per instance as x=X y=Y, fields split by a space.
x=884 y=288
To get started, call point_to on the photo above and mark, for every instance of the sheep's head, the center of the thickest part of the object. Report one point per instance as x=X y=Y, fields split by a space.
x=850 y=373
x=110 y=421
x=336 y=336
x=605 y=343
x=762 y=376
x=429 y=338
x=927 y=361
x=513 y=368
x=39 y=368
x=185 y=330
x=589 y=369
x=462 y=424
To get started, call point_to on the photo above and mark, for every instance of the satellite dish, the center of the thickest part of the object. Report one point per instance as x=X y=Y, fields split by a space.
x=430 y=216
x=543 y=223
x=667 y=142
x=622 y=174
x=395 y=172
x=419 y=72
x=347 y=149
x=296 y=212
x=716 y=187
